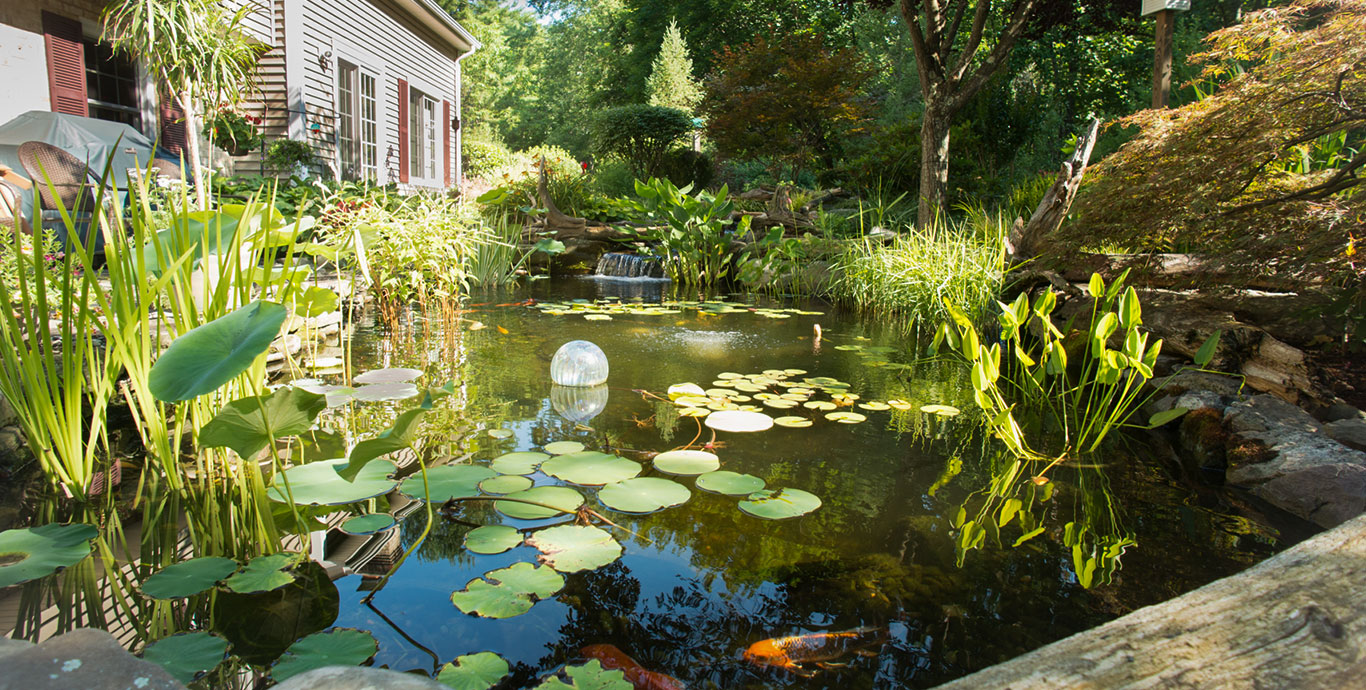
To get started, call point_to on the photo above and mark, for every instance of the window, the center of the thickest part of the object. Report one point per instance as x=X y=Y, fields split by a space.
x=357 y=130
x=111 y=85
x=423 y=156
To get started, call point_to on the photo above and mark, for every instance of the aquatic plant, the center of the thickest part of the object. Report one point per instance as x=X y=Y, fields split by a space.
x=694 y=244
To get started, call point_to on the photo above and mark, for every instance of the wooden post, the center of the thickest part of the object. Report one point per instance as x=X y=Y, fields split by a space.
x=1162 y=59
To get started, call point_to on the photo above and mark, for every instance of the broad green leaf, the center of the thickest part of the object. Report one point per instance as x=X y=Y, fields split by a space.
x=207 y=357
x=397 y=437
x=504 y=484
x=643 y=495
x=473 y=671
x=247 y=425
x=563 y=497
x=321 y=483
x=1165 y=416
x=729 y=483
x=365 y=525
x=492 y=539
x=779 y=504
x=1029 y=535
x=447 y=482
x=686 y=462
x=188 y=578
x=563 y=447
x=524 y=462
x=508 y=592
x=1205 y=354
x=571 y=548
x=389 y=375
x=264 y=573
x=1009 y=509
x=739 y=421
x=589 y=468
x=315 y=301
x=214 y=230
x=33 y=552
x=590 y=676
x=336 y=647
x=1096 y=286
x=188 y=655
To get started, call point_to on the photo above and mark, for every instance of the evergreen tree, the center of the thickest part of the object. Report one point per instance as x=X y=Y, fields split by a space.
x=671 y=84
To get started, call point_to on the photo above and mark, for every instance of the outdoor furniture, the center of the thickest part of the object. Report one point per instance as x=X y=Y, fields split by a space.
x=61 y=181
x=12 y=188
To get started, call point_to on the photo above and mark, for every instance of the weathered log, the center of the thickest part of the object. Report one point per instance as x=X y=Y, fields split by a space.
x=555 y=219
x=1025 y=239
x=1176 y=271
x=1297 y=620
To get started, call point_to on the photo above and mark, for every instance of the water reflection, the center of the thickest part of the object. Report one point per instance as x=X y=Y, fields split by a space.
x=579 y=404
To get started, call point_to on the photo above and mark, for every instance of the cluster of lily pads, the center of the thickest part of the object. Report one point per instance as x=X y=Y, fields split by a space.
x=604 y=309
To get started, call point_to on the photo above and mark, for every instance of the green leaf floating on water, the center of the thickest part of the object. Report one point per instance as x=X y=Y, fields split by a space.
x=365 y=525
x=473 y=671
x=33 y=552
x=264 y=573
x=941 y=410
x=336 y=647
x=563 y=447
x=518 y=463
x=558 y=496
x=500 y=433
x=379 y=392
x=207 y=357
x=242 y=424
x=590 y=468
x=686 y=462
x=188 y=655
x=188 y=578
x=492 y=539
x=729 y=483
x=739 y=421
x=447 y=482
x=505 y=484
x=390 y=375
x=508 y=592
x=643 y=495
x=320 y=483
x=571 y=548
x=780 y=504
x=590 y=676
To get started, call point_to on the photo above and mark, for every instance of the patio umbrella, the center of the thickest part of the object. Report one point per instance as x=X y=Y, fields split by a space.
x=96 y=142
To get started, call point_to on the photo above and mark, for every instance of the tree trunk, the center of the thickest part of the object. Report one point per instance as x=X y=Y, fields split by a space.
x=201 y=183
x=934 y=164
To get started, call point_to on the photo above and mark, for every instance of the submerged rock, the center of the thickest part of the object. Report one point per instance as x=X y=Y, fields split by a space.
x=358 y=678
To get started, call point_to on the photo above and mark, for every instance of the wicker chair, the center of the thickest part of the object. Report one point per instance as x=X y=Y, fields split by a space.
x=60 y=180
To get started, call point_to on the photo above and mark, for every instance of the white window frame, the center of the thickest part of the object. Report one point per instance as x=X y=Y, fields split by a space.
x=425 y=162
x=366 y=148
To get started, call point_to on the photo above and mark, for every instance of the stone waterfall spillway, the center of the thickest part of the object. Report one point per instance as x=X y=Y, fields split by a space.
x=619 y=265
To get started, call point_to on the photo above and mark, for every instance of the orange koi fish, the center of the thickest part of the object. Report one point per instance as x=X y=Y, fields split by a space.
x=817 y=648
x=636 y=675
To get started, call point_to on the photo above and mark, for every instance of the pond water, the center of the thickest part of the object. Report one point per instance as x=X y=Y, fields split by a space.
x=701 y=582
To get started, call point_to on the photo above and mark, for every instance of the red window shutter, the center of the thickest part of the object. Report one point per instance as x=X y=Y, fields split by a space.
x=403 y=130
x=446 y=138
x=63 y=39
x=172 y=126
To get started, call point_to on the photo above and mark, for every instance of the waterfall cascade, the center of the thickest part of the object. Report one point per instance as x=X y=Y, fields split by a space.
x=620 y=265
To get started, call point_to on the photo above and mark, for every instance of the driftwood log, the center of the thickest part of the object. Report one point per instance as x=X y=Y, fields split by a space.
x=555 y=219
x=1026 y=238
x=1296 y=620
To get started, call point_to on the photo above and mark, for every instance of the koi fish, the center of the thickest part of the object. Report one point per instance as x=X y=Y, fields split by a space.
x=636 y=675
x=817 y=648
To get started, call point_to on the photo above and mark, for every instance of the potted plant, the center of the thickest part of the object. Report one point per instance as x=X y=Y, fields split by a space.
x=233 y=132
x=289 y=154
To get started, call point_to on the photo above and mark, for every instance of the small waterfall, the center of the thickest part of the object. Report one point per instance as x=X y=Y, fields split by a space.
x=619 y=265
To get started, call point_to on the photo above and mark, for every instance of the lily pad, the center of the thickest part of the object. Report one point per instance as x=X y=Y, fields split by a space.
x=365 y=525
x=500 y=433
x=793 y=422
x=846 y=417
x=694 y=412
x=33 y=552
x=188 y=578
x=318 y=483
x=739 y=421
x=941 y=410
x=729 y=483
x=509 y=591
x=559 y=496
x=779 y=504
x=590 y=676
x=505 y=484
x=264 y=573
x=209 y=356
x=447 y=482
x=390 y=375
x=187 y=656
x=590 y=468
x=820 y=405
x=518 y=463
x=874 y=406
x=473 y=671
x=492 y=539
x=680 y=389
x=336 y=647
x=563 y=447
x=378 y=392
x=898 y=404
x=571 y=548
x=643 y=495
x=780 y=404
x=686 y=462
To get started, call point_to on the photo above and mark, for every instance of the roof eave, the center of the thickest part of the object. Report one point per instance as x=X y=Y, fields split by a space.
x=438 y=20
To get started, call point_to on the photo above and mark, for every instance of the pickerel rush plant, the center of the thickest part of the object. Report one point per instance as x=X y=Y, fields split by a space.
x=694 y=245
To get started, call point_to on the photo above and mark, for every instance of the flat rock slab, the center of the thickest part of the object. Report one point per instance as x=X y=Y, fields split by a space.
x=1266 y=418
x=82 y=659
x=358 y=678
x=1296 y=620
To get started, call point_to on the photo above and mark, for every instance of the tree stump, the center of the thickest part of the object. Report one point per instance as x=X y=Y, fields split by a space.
x=1025 y=239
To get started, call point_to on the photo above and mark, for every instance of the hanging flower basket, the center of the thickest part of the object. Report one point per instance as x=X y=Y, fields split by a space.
x=234 y=132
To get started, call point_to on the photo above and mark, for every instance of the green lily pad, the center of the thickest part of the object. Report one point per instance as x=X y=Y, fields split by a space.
x=504 y=484
x=849 y=348
x=779 y=504
x=209 y=356
x=473 y=671
x=680 y=389
x=820 y=405
x=447 y=482
x=188 y=578
x=590 y=468
x=558 y=496
x=365 y=525
x=643 y=495
x=874 y=406
x=563 y=447
x=941 y=410
x=524 y=462
x=686 y=462
x=846 y=417
x=500 y=433
x=264 y=573
x=729 y=483
x=390 y=375
x=508 y=592
x=248 y=424
x=793 y=422
x=377 y=392
x=336 y=647
x=33 y=552
x=571 y=548
x=492 y=539
x=739 y=421
x=318 y=483
x=187 y=656
x=590 y=676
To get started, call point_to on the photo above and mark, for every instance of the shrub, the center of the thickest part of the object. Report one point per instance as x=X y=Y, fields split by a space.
x=688 y=167
x=285 y=154
x=640 y=135
x=695 y=243
x=614 y=179
x=565 y=180
x=484 y=157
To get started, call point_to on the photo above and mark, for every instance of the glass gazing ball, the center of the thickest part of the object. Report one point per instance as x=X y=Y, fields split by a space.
x=578 y=404
x=579 y=363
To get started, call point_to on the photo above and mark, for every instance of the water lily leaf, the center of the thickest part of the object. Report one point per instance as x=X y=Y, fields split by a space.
x=686 y=462
x=365 y=525
x=793 y=422
x=500 y=433
x=729 y=483
x=941 y=410
x=389 y=375
x=509 y=591
x=33 y=552
x=188 y=578
x=264 y=573
x=874 y=406
x=681 y=389
x=320 y=483
x=571 y=548
x=491 y=539
x=780 y=404
x=643 y=495
x=518 y=463
x=187 y=656
x=562 y=497
x=505 y=484
x=779 y=504
x=846 y=417
x=897 y=404
x=397 y=437
x=319 y=363
x=563 y=447
x=739 y=421
x=473 y=671
x=820 y=405
x=849 y=348
x=336 y=647
x=589 y=468
x=243 y=423
x=377 y=392
x=694 y=412
x=447 y=482
x=209 y=356
x=590 y=676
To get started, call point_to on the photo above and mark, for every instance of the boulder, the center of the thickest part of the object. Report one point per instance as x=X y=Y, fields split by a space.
x=1267 y=418
x=84 y=659
x=1294 y=451
x=358 y=678
x=1348 y=432
x=1327 y=495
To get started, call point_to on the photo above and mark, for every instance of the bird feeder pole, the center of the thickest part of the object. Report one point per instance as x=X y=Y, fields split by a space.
x=1162 y=58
